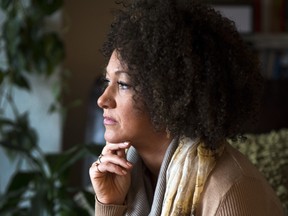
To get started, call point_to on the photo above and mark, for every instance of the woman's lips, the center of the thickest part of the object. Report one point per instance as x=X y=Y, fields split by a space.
x=109 y=121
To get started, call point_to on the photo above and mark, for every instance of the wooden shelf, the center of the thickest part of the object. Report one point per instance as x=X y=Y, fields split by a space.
x=268 y=41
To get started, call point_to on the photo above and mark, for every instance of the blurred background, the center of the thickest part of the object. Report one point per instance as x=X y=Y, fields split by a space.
x=50 y=126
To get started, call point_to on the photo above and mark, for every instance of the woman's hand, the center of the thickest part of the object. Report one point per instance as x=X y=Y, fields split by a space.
x=110 y=176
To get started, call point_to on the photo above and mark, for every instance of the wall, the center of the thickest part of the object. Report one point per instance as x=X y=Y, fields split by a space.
x=86 y=23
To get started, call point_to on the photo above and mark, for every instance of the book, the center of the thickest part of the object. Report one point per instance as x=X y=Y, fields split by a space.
x=257 y=15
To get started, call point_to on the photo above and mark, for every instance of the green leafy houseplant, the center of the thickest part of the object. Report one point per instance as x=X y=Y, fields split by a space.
x=28 y=48
x=26 y=44
x=44 y=189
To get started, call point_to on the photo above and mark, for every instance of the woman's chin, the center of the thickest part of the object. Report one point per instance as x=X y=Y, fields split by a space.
x=113 y=138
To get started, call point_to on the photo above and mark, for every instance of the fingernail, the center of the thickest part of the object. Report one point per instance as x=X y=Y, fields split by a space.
x=124 y=172
x=126 y=143
x=129 y=164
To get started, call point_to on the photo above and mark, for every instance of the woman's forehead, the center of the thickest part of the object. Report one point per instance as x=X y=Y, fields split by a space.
x=115 y=65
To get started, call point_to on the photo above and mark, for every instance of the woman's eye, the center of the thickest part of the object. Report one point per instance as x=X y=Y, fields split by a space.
x=105 y=83
x=123 y=86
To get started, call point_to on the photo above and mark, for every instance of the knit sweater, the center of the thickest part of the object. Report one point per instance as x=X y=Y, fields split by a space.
x=234 y=188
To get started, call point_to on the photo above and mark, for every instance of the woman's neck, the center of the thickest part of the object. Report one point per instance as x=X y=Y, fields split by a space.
x=153 y=151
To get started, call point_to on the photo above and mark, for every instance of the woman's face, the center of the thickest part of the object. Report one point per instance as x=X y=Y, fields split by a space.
x=123 y=121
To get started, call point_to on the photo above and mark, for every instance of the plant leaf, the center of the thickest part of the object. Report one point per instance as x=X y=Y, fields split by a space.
x=95 y=148
x=87 y=198
x=48 y=7
x=9 y=203
x=6 y=122
x=18 y=186
x=63 y=161
x=4 y=4
x=19 y=80
x=18 y=135
x=48 y=53
x=2 y=76
x=11 y=29
x=21 y=180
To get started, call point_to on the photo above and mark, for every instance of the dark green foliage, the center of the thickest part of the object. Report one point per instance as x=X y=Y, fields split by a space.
x=28 y=47
x=44 y=189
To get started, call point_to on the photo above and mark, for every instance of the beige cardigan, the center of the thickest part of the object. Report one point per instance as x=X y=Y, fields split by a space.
x=234 y=188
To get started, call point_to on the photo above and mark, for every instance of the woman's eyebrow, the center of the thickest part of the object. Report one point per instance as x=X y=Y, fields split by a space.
x=116 y=72
x=120 y=72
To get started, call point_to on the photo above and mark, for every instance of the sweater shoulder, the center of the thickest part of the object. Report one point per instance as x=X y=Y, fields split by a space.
x=236 y=185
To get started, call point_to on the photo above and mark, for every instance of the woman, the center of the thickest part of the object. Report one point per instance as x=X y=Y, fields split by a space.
x=180 y=82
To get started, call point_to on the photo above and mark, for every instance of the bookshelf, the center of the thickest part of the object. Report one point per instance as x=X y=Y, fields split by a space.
x=268 y=15
x=269 y=39
x=273 y=53
x=272 y=49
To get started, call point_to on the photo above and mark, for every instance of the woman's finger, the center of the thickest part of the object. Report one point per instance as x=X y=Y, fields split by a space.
x=113 y=148
x=122 y=152
x=99 y=170
x=114 y=159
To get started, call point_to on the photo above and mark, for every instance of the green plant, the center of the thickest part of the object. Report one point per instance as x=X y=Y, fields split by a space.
x=43 y=189
x=28 y=48
x=269 y=153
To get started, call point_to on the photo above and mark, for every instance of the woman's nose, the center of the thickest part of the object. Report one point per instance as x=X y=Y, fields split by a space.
x=106 y=100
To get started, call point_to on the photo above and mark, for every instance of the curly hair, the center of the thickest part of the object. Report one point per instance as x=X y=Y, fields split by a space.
x=190 y=66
